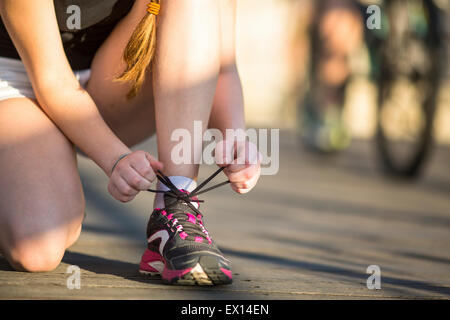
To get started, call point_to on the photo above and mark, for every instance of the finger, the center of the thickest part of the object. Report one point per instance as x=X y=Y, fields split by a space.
x=143 y=168
x=124 y=187
x=134 y=179
x=240 y=190
x=154 y=163
x=114 y=191
x=233 y=168
x=248 y=184
x=245 y=174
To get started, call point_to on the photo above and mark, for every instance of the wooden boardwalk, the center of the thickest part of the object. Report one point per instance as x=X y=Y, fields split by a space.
x=309 y=232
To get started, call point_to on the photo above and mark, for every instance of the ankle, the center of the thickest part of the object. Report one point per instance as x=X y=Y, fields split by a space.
x=181 y=182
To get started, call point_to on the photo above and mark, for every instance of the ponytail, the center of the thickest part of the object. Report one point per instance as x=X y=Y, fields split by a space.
x=139 y=52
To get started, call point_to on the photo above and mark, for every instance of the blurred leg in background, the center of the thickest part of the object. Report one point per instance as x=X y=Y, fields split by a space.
x=336 y=30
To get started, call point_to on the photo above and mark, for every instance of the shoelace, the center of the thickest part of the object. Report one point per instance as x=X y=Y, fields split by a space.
x=187 y=198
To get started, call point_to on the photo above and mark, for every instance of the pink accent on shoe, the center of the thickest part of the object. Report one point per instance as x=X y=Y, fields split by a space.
x=170 y=216
x=183 y=235
x=149 y=256
x=198 y=239
x=163 y=212
x=170 y=274
x=191 y=218
x=227 y=272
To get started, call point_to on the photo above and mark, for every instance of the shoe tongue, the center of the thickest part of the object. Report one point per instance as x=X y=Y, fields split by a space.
x=181 y=183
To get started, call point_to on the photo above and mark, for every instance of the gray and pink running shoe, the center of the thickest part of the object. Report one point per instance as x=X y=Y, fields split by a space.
x=180 y=248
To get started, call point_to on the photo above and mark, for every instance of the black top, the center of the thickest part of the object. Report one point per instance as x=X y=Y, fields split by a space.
x=98 y=18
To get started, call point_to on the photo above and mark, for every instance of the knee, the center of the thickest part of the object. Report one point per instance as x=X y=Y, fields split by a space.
x=36 y=258
x=73 y=237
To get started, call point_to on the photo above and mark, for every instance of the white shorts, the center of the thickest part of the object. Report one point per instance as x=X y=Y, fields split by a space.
x=14 y=81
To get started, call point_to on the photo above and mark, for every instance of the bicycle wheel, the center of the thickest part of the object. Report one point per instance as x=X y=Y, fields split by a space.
x=407 y=86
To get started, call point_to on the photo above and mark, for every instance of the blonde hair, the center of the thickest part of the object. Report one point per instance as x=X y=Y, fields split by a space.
x=140 y=50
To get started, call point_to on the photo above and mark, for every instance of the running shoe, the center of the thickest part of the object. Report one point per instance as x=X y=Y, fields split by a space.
x=323 y=129
x=180 y=248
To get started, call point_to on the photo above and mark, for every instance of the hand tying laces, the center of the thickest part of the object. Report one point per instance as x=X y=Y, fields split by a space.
x=187 y=224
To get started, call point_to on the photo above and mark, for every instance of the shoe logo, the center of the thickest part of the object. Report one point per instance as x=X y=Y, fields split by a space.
x=164 y=235
x=158 y=265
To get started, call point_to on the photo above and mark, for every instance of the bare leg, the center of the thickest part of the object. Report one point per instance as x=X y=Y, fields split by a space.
x=228 y=106
x=185 y=74
x=41 y=198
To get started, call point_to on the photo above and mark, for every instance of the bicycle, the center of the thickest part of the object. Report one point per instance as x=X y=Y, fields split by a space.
x=407 y=63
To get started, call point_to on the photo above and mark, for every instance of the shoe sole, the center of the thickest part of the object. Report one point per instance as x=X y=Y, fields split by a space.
x=207 y=272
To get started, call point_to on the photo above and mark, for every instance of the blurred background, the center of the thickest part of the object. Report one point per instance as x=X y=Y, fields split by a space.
x=318 y=68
